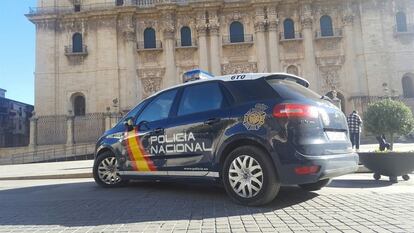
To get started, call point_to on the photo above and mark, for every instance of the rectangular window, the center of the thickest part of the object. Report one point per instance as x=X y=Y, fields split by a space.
x=201 y=98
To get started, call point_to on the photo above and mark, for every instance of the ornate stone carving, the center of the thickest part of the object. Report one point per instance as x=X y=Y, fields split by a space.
x=185 y=55
x=273 y=25
x=151 y=85
x=238 y=52
x=348 y=19
x=151 y=79
x=260 y=26
x=169 y=26
x=201 y=30
x=234 y=68
x=127 y=26
x=329 y=44
x=330 y=60
x=149 y=23
x=330 y=78
x=150 y=56
x=306 y=16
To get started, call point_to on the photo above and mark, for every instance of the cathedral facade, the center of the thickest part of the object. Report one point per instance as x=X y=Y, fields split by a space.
x=95 y=56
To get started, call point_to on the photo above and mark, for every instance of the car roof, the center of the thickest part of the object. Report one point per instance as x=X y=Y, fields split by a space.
x=237 y=78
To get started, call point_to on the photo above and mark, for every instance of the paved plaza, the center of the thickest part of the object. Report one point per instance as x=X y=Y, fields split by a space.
x=352 y=203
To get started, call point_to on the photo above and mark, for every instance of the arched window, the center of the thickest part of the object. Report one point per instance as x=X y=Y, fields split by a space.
x=401 y=22
x=77 y=43
x=292 y=70
x=119 y=2
x=149 y=38
x=326 y=26
x=79 y=105
x=408 y=86
x=289 y=29
x=185 y=36
x=77 y=7
x=236 y=32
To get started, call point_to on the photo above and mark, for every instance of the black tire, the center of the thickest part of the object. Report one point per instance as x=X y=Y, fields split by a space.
x=315 y=186
x=377 y=176
x=270 y=182
x=406 y=177
x=98 y=160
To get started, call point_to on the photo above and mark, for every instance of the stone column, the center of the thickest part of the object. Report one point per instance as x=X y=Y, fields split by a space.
x=260 y=42
x=261 y=47
x=273 y=40
x=169 y=51
x=310 y=61
x=130 y=84
x=70 y=129
x=215 y=58
x=33 y=131
x=202 y=47
x=107 y=119
x=350 y=57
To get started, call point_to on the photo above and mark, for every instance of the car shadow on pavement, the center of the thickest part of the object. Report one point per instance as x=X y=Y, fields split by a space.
x=86 y=204
x=358 y=183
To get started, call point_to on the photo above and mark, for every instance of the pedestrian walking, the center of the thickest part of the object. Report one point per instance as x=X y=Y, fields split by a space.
x=354 y=125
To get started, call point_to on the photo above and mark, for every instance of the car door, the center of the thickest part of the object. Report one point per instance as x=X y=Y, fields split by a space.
x=200 y=119
x=139 y=142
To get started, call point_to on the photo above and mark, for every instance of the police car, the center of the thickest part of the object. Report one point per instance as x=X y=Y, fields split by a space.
x=252 y=132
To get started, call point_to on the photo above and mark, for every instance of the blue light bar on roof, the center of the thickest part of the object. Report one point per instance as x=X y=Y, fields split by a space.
x=196 y=74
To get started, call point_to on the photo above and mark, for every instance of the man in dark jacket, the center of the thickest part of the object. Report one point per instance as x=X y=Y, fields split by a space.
x=354 y=125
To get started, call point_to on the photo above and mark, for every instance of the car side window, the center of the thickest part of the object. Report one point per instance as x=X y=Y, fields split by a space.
x=159 y=108
x=201 y=98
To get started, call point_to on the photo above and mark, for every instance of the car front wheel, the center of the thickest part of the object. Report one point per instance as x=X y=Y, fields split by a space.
x=249 y=176
x=105 y=171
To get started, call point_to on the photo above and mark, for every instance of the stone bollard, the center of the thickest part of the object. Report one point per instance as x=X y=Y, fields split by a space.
x=33 y=132
x=70 y=129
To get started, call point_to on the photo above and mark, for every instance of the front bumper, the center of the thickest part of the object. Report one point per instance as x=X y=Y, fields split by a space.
x=330 y=166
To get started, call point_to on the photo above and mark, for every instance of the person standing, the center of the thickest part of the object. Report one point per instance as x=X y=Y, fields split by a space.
x=354 y=125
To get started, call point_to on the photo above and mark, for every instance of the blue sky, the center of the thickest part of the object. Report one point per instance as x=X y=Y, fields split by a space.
x=17 y=57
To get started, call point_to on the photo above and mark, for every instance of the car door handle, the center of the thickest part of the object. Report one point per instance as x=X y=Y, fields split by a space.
x=158 y=131
x=212 y=121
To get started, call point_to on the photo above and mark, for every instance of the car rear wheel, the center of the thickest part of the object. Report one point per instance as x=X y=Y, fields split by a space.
x=315 y=186
x=249 y=176
x=105 y=171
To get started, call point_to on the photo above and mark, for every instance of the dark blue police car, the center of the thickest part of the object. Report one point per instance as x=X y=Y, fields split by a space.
x=253 y=132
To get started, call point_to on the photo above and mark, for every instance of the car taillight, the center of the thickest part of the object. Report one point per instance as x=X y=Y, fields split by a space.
x=289 y=110
x=306 y=170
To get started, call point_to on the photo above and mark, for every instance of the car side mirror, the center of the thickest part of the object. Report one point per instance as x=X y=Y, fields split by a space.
x=142 y=125
x=129 y=124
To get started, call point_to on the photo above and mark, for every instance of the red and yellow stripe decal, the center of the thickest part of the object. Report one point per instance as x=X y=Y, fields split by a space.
x=139 y=158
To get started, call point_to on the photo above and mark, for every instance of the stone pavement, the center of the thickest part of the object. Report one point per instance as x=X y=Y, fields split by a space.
x=352 y=203
x=56 y=170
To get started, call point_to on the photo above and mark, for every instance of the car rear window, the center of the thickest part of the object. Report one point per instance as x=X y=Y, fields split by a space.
x=291 y=90
x=250 y=90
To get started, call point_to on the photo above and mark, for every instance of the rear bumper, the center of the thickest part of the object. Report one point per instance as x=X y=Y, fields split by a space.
x=330 y=166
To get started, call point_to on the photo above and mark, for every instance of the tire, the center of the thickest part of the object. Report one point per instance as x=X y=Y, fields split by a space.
x=257 y=159
x=106 y=161
x=406 y=177
x=315 y=186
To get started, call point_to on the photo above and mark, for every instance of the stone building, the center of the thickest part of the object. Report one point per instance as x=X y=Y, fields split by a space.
x=14 y=122
x=92 y=55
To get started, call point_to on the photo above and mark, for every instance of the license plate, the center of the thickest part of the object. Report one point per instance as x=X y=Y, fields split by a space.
x=336 y=136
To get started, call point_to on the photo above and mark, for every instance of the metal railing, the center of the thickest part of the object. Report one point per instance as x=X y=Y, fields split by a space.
x=69 y=50
x=75 y=152
x=141 y=45
x=337 y=32
x=109 y=4
x=289 y=36
x=180 y=44
x=235 y=39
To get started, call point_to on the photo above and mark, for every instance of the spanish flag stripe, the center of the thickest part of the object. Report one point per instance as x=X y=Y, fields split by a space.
x=144 y=154
x=130 y=155
x=140 y=161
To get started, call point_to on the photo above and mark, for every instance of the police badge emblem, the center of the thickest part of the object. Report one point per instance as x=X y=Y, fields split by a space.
x=255 y=117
